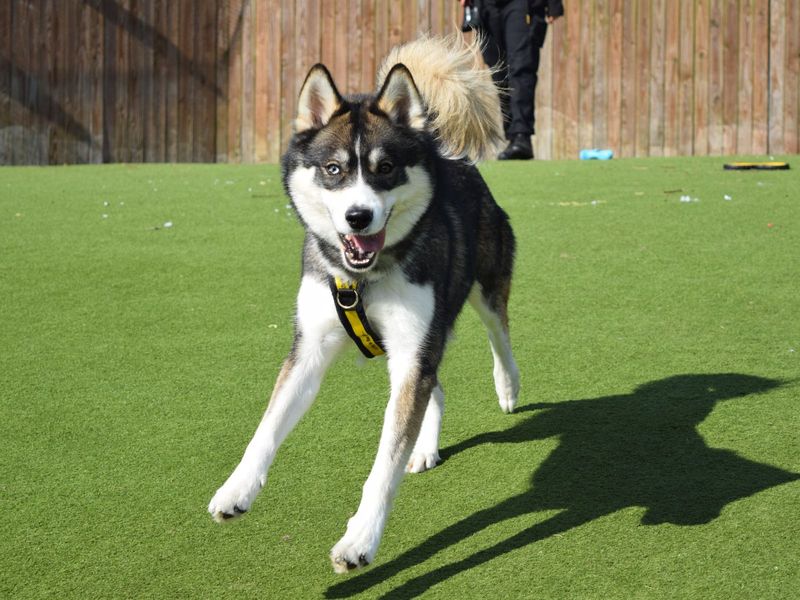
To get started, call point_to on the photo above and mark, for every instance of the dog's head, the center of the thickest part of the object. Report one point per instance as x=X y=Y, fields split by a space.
x=358 y=168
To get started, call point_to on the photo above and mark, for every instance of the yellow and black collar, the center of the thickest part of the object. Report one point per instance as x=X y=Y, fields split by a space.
x=347 y=298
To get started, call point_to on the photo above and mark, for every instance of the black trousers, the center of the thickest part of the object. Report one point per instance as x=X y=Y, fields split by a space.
x=515 y=35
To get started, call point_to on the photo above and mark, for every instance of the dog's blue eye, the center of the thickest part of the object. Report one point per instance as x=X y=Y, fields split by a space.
x=332 y=169
x=385 y=167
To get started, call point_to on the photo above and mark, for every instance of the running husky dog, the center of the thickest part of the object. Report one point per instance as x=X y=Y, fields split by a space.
x=401 y=230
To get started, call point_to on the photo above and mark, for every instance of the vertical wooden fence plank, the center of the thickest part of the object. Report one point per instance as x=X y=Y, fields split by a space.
x=543 y=140
x=453 y=21
x=155 y=144
x=271 y=67
x=206 y=89
x=81 y=70
x=643 y=38
x=569 y=74
x=354 y=62
x=48 y=83
x=409 y=22
x=152 y=98
x=21 y=120
x=6 y=65
x=221 y=77
x=791 y=106
x=730 y=79
x=614 y=76
x=369 y=61
x=630 y=94
x=74 y=133
x=701 y=72
x=685 y=122
x=586 y=78
x=671 y=92
x=97 y=101
x=777 y=62
x=599 y=89
x=437 y=17
x=396 y=10
x=327 y=32
x=136 y=104
x=289 y=89
x=91 y=21
x=761 y=60
x=423 y=17
x=186 y=25
x=557 y=88
x=122 y=64
x=382 y=26
x=44 y=139
x=715 y=78
x=172 y=92
x=246 y=131
x=341 y=47
x=262 y=83
x=657 y=74
x=235 y=25
x=312 y=52
x=301 y=41
x=744 y=116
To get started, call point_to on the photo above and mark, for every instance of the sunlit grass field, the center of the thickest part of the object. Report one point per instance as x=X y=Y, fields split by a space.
x=654 y=453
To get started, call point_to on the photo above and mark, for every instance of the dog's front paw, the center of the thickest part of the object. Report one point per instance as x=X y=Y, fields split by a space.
x=507 y=387
x=422 y=461
x=507 y=404
x=356 y=549
x=234 y=498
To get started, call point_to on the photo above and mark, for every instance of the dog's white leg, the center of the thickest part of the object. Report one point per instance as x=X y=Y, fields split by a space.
x=506 y=372
x=318 y=340
x=426 y=451
x=410 y=310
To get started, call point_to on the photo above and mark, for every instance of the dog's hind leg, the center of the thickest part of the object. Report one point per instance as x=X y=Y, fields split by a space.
x=492 y=307
x=317 y=341
x=426 y=450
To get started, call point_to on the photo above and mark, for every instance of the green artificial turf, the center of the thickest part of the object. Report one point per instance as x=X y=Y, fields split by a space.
x=654 y=453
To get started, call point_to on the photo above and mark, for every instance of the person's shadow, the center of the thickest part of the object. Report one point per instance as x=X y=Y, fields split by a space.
x=635 y=450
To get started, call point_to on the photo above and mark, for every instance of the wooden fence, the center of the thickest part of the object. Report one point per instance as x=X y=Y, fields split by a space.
x=216 y=80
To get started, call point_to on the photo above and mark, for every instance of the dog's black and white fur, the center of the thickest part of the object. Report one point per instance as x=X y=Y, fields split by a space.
x=384 y=188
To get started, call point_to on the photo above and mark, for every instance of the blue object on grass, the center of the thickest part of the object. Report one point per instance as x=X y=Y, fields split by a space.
x=596 y=154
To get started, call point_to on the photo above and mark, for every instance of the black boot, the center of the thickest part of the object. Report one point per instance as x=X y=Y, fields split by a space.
x=519 y=148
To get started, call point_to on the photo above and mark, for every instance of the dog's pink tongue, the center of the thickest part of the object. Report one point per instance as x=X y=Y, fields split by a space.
x=369 y=243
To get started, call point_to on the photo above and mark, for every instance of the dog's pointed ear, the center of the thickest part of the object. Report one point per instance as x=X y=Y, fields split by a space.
x=400 y=99
x=319 y=100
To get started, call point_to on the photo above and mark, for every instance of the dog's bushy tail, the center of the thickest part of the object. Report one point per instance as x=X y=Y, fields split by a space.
x=457 y=87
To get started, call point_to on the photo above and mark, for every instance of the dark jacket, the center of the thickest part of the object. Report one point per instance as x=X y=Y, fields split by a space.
x=553 y=8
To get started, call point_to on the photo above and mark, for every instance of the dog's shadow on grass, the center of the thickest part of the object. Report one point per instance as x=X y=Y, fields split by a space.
x=635 y=450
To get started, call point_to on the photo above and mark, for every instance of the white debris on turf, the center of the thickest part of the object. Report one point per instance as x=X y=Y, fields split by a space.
x=168 y=224
x=727 y=197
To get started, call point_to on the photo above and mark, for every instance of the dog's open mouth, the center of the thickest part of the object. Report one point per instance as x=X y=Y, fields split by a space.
x=360 y=251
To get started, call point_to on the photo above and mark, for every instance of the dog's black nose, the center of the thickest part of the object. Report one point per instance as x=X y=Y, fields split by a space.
x=358 y=218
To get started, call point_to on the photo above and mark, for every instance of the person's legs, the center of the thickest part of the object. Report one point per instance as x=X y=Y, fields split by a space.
x=494 y=55
x=521 y=68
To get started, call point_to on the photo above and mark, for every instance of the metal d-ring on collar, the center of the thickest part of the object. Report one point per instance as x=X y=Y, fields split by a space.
x=347 y=296
x=352 y=303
